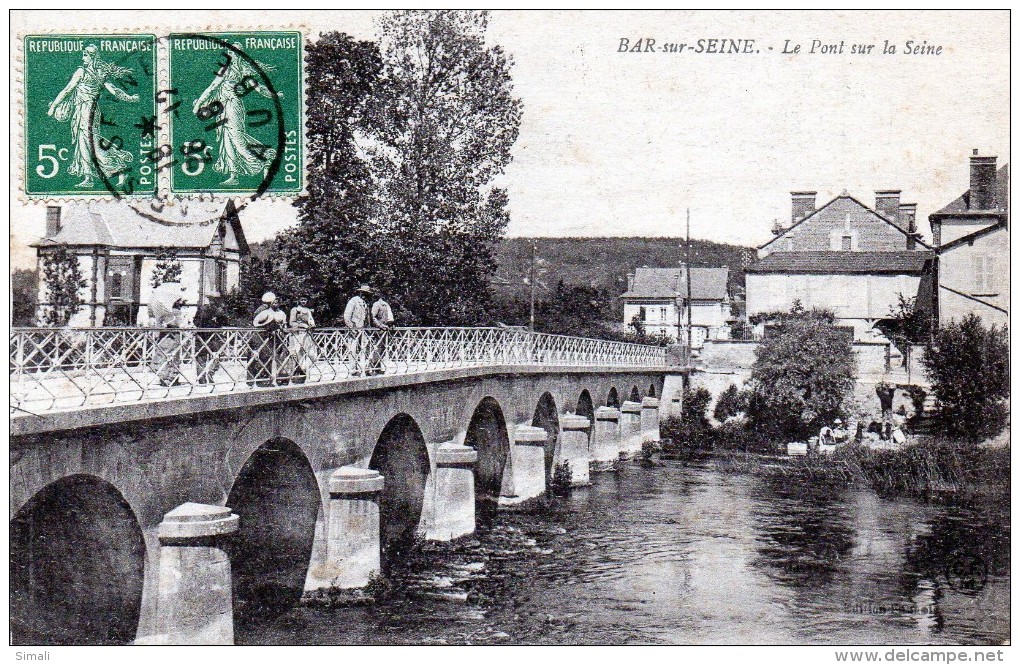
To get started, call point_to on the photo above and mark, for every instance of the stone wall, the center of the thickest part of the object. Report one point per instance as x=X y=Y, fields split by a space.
x=729 y=362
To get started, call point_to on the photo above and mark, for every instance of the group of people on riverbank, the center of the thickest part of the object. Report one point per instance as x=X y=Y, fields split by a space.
x=281 y=348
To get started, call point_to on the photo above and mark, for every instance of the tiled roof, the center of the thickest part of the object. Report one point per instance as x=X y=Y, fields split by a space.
x=188 y=224
x=824 y=263
x=840 y=208
x=706 y=283
x=960 y=206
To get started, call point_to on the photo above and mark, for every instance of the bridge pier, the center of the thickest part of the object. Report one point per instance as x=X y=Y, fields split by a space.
x=454 y=503
x=528 y=462
x=574 y=447
x=195 y=597
x=352 y=530
x=649 y=419
x=605 y=442
x=671 y=405
x=630 y=429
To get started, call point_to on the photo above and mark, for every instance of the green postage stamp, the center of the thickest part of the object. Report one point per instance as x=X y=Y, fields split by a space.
x=236 y=121
x=141 y=116
x=89 y=102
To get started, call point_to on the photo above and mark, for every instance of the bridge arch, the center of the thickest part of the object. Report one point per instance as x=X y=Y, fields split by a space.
x=635 y=394
x=586 y=407
x=487 y=433
x=277 y=497
x=613 y=398
x=401 y=457
x=77 y=565
x=547 y=417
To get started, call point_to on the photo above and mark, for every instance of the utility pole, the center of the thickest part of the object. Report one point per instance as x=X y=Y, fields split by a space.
x=534 y=252
x=687 y=259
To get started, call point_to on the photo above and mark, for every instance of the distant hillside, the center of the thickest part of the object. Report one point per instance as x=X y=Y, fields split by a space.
x=603 y=263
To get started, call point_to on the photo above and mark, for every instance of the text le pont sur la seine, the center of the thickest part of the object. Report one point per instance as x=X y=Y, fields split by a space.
x=725 y=46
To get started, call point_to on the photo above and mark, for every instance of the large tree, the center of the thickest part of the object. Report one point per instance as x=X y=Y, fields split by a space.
x=64 y=281
x=338 y=242
x=803 y=375
x=445 y=119
x=968 y=365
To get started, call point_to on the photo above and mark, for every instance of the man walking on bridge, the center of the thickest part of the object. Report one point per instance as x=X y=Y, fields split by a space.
x=356 y=318
x=382 y=318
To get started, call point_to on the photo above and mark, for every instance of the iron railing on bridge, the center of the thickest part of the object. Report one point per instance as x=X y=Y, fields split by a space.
x=65 y=368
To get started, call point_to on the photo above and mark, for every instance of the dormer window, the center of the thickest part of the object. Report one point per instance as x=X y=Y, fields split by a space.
x=846 y=243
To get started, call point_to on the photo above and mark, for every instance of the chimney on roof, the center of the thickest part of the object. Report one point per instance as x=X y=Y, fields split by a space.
x=908 y=217
x=982 y=182
x=887 y=204
x=803 y=204
x=52 y=221
x=630 y=281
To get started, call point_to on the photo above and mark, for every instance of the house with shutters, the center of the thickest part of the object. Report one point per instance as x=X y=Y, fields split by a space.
x=118 y=243
x=846 y=257
x=971 y=240
x=656 y=300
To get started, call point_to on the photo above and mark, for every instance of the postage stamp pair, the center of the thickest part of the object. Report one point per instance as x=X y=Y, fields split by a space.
x=134 y=115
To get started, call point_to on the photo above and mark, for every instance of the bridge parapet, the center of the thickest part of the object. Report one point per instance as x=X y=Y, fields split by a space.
x=53 y=369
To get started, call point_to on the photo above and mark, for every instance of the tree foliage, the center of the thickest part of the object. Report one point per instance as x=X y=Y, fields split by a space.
x=803 y=376
x=167 y=268
x=64 y=280
x=731 y=402
x=24 y=297
x=445 y=119
x=968 y=366
x=338 y=242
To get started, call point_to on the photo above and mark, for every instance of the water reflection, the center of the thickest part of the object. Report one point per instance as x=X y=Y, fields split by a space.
x=681 y=555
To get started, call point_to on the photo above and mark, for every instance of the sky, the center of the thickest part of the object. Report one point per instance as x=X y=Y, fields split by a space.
x=622 y=144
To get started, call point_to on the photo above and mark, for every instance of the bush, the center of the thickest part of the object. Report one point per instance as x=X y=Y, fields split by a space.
x=560 y=485
x=968 y=365
x=802 y=378
x=692 y=429
x=731 y=403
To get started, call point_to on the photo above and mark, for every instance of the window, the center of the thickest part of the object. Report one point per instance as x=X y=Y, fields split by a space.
x=116 y=285
x=789 y=243
x=847 y=243
x=662 y=314
x=984 y=278
x=221 y=277
x=641 y=314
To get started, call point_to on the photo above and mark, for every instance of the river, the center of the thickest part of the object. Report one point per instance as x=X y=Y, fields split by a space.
x=686 y=554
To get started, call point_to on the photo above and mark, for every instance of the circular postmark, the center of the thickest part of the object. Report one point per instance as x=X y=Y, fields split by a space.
x=242 y=74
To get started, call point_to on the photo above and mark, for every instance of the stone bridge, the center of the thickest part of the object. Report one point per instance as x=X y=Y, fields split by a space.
x=172 y=518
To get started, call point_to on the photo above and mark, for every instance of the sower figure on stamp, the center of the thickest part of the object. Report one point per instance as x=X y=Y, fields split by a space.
x=82 y=108
x=356 y=318
x=382 y=318
x=165 y=313
x=301 y=345
x=236 y=150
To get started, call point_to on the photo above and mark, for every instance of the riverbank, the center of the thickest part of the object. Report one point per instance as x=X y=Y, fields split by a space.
x=928 y=468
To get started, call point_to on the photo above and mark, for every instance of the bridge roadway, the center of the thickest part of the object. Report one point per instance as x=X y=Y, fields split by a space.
x=177 y=519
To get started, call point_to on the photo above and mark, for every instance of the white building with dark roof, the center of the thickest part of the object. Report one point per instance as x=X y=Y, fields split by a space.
x=845 y=257
x=117 y=244
x=971 y=239
x=657 y=299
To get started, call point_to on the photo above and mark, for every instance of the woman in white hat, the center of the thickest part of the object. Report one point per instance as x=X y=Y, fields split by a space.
x=269 y=321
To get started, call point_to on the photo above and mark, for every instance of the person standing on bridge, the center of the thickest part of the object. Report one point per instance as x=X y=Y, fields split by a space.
x=268 y=322
x=382 y=318
x=300 y=344
x=210 y=341
x=165 y=312
x=356 y=318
